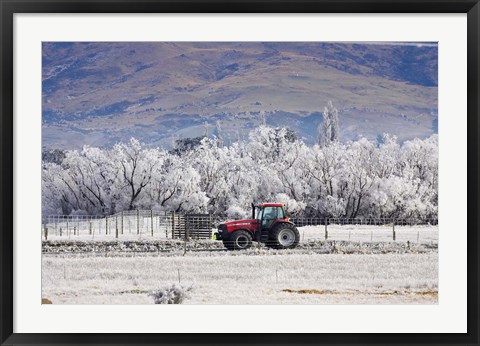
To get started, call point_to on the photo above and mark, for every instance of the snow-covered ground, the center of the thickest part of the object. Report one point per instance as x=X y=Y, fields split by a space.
x=251 y=277
x=364 y=233
x=363 y=266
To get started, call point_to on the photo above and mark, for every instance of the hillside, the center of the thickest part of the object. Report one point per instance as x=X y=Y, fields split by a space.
x=102 y=93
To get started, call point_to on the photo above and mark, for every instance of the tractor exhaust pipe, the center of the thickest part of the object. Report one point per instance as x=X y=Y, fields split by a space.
x=253 y=211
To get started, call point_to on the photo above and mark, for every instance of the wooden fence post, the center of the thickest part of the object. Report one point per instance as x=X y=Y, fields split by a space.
x=45 y=228
x=121 y=222
x=151 y=220
x=106 y=225
x=166 y=223
x=116 y=226
x=90 y=227
x=74 y=230
x=326 y=230
x=61 y=233
x=138 y=221
x=393 y=226
x=210 y=224
x=185 y=238
x=173 y=224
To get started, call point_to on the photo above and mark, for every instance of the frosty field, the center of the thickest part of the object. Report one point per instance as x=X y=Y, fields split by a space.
x=416 y=233
x=251 y=277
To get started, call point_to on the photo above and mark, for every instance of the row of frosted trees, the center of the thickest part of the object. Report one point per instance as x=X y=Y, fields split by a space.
x=355 y=179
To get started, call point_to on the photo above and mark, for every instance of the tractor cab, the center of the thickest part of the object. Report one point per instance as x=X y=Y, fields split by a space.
x=267 y=214
x=268 y=224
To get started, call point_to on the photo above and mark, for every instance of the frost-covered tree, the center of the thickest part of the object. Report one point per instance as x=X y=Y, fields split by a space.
x=205 y=129
x=263 y=118
x=360 y=175
x=56 y=156
x=136 y=166
x=57 y=198
x=326 y=168
x=219 y=134
x=329 y=129
x=181 y=186
x=93 y=174
x=267 y=143
x=185 y=145
x=355 y=179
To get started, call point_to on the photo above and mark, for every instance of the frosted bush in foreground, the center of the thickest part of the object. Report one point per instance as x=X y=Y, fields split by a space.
x=173 y=294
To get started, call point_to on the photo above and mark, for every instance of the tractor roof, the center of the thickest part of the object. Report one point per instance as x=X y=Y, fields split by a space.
x=272 y=204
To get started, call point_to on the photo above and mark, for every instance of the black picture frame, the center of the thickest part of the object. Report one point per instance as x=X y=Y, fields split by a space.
x=9 y=7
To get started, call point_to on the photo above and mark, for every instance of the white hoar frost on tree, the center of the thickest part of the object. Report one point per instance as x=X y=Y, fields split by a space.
x=354 y=179
x=329 y=129
x=219 y=134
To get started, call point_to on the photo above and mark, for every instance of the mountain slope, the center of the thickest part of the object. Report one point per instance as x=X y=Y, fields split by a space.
x=102 y=93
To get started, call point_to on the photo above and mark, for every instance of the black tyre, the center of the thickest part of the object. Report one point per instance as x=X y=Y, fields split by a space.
x=239 y=240
x=284 y=236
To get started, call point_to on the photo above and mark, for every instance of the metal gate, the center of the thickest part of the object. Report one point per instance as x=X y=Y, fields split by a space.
x=194 y=226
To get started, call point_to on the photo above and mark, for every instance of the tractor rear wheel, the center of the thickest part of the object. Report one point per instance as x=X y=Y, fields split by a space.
x=239 y=240
x=284 y=236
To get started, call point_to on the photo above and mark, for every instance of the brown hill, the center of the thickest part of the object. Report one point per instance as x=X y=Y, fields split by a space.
x=102 y=93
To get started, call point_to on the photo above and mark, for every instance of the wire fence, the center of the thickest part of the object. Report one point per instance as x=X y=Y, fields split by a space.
x=305 y=221
x=149 y=224
x=133 y=224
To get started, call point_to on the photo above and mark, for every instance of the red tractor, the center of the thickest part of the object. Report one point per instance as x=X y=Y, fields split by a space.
x=269 y=225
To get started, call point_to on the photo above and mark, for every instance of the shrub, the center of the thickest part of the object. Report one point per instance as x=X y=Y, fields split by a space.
x=173 y=294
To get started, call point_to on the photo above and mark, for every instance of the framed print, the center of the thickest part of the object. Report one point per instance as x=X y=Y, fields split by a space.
x=239 y=173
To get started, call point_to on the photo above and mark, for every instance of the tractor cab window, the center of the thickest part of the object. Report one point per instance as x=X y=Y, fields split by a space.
x=269 y=215
x=258 y=213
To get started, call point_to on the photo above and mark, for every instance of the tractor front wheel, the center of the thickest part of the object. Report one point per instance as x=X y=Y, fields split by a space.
x=239 y=240
x=284 y=236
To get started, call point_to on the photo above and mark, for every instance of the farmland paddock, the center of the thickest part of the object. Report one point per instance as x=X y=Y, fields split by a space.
x=338 y=261
x=278 y=278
